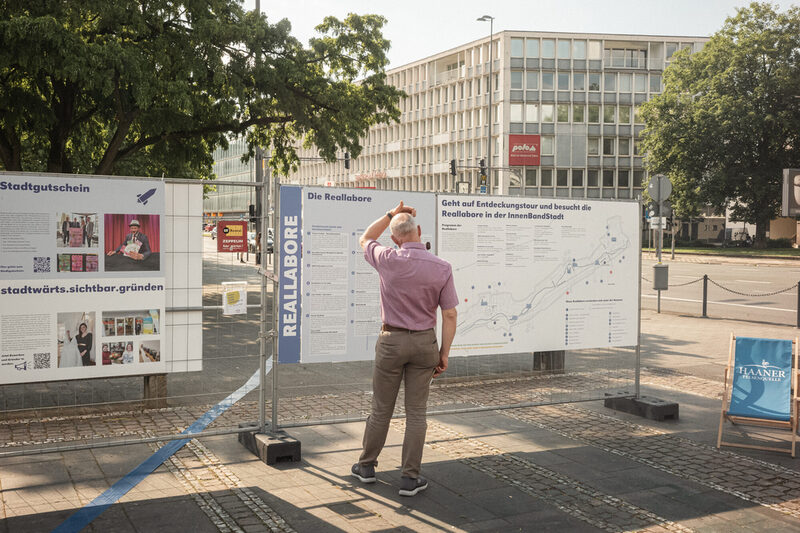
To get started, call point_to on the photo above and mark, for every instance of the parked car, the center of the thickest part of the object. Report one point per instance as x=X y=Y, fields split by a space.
x=251 y=242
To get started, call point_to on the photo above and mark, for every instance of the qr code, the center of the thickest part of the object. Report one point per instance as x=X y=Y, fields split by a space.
x=41 y=360
x=41 y=264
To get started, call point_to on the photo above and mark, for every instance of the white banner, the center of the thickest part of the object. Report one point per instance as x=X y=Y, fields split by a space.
x=536 y=274
x=82 y=277
x=341 y=315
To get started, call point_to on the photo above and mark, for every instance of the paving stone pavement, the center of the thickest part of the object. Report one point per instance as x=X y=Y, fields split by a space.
x=567 y=467
x=229 y=504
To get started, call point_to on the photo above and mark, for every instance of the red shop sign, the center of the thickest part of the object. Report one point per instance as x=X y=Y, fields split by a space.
x=231 y=236
x=523 y=150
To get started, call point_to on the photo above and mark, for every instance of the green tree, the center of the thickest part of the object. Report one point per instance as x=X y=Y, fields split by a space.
x=728 y=120
x=151 y=87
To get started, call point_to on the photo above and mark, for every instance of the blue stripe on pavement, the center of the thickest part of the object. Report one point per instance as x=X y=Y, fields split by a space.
x=85 y=515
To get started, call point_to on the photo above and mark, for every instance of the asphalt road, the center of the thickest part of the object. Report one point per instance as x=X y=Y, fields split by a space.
x=758 y=290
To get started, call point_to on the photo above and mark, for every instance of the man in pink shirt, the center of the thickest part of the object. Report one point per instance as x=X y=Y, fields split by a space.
x=413 y=283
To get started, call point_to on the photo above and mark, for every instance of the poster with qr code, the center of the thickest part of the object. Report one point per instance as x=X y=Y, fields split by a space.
x=77 y=252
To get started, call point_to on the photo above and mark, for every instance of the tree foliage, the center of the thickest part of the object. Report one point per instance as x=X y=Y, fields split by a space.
x=728 y=120
x=151 y=87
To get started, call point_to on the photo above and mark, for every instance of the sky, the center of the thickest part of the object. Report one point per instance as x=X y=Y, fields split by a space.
x=420 y=28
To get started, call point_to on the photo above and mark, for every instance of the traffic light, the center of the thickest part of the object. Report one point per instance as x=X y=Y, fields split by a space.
x=347 y=160
x=482 y=165
x=252 y=209
x=453 y=167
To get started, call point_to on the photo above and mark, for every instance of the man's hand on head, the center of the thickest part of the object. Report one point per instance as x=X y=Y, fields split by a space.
x=403 y=209
x=374 y=231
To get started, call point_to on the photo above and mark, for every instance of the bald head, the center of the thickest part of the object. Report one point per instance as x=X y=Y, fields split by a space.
x=404 y=228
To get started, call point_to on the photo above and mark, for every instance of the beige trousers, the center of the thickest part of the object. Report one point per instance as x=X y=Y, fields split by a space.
x=410 y=358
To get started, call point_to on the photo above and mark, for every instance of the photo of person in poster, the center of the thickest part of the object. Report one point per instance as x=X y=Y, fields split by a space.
x=76 y=230
x=132 y=242
x=76 y=339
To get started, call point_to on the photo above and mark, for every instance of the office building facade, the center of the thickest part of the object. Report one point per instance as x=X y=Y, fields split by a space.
x=231 y=201
x=574 y=99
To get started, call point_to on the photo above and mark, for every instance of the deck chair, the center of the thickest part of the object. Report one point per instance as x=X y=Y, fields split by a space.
x=761 y=388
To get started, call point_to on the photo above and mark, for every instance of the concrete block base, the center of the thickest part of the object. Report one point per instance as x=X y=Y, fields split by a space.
x=271 y=449
x=645 y=406
x=155 y=391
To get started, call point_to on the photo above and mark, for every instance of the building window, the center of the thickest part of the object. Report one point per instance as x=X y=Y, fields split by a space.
x=562 y=177
x=594 y=114
x=547 y=81
x=610 y=81
x=624 y=58
x=531 y=112
x=547 y=177
x=593 y=146
x=592 y=179
x=638 y=178
x=594 y=81
x=548 y=48
x=655 y=83
x=516 y=47
x=608 y=178
x=637 y=147
x=577 y=178
x=608 y=145
x=640 y=83
x=609 y=112
x=530 y=177
x=532 y=80
x=563 y=49
x=563 y=81
x=532 y=47
x=579 y=81
x=577 y=113
x=547 y=147
x=516 y=113
x=624 y=83
x=624 y=114
x=579 y=49
x=625 y=147
x=547 y=112
x=671 y=48
x=516 y=79
x=622 y=179
x=563 y=113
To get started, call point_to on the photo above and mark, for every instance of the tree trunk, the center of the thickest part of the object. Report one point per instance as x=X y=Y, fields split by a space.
x=760 y=240
x=11 y=150
x=63 y=103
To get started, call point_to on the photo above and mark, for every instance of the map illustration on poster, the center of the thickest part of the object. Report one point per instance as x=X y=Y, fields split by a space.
x=538 y=274
x=82 y=283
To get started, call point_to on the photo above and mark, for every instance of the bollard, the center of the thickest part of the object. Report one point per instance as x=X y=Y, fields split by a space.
x=705 y=297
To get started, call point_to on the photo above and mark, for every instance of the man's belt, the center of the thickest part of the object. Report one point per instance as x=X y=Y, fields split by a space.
x=387 y=327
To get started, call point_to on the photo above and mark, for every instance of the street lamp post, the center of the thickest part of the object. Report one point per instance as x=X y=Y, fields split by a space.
x=491 y=81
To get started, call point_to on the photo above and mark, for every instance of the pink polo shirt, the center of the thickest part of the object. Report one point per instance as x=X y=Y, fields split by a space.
x=414 y=282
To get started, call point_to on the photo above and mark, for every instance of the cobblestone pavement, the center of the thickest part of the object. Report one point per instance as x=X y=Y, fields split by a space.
x=601 y=510
x=232 y=505
x=752 y=480
x=304 y=409
x=355 y=405
x=219 y=493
